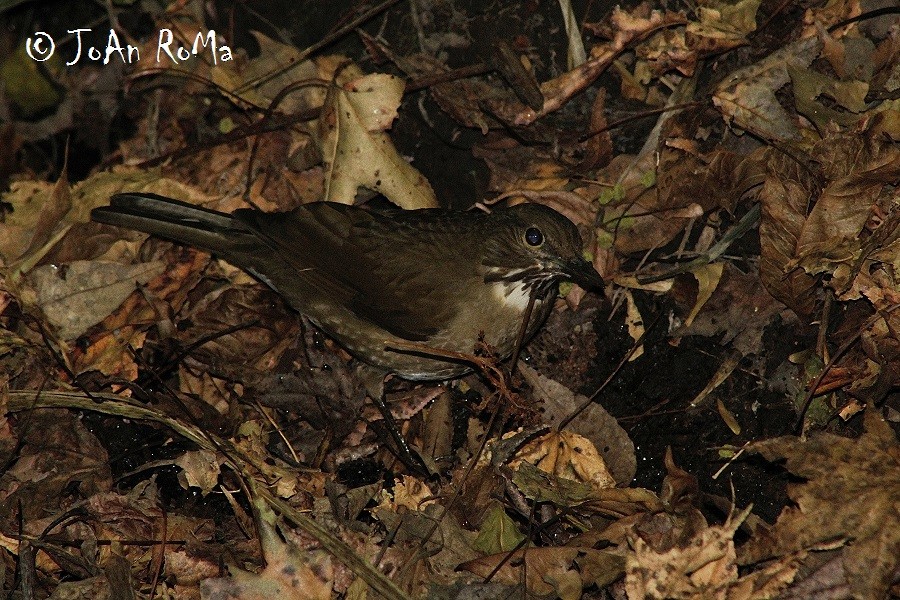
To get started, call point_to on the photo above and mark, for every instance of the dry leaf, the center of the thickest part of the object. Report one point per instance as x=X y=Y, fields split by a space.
x=199 y=468
x=746 y=98
x=561 y=571
x=703 y=568
x=80 y=294
x=721 y=25
x=358 y=152
x=594 y=423
x=289 y=572
x=566 y=455
x=785 y=197
x=851 y=495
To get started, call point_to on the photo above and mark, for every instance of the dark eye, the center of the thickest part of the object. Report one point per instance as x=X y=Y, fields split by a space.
x=534 y=237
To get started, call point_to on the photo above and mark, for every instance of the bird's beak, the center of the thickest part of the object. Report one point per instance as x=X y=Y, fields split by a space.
x=582 y=272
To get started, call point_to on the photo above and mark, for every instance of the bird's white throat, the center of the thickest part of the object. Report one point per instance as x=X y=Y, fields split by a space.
x=513 y=295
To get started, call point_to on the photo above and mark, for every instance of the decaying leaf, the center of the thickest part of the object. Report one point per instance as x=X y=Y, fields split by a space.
x=747 y=96
x=785 y=198
x=809 y=85
x=199 y=468
x=833 y=231
x=851 y=496
x=739 y=311
x=594 y=423
x=708 y=277
x=110 y=353
x=722 y=25
x=563 y=571
x=430 y=543
x=358 y=152
x=706 y=564
x=289 y=572
x=82 y=293
x=566 y=455
x=805 y=232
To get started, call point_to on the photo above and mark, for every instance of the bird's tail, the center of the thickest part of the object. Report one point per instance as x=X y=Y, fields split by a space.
x=210 y=230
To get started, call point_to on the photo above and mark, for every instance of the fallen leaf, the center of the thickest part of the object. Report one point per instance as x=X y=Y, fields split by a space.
x=80 y=294
x=594 y=423
x=851 y=496
x=708 y=277
x=498 y=532
x=809 y=85
x=358 y=152
x=785 y=197
x=746 y=97
x=721 y=25
x=566 y=455
x=705 y=567
x=199 y=468
x=563 y=571
x=289 y=572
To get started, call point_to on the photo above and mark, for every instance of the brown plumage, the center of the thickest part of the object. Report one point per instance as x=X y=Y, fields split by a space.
x=369 y=278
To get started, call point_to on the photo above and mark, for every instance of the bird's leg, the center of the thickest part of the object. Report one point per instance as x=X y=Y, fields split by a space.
x=373 y=380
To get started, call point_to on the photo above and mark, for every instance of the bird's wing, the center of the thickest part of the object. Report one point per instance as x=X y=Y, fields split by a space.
x=384 y=267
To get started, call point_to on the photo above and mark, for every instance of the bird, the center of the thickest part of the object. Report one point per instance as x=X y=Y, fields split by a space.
x=381 y=281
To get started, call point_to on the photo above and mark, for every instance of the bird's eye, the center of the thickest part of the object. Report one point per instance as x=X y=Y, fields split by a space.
x=534 y=237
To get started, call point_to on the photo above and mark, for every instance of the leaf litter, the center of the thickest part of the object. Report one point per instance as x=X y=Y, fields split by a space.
x=238 y=435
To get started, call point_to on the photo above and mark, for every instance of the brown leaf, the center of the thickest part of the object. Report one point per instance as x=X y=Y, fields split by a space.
x=551 y=570
x=56 y=450
x=599 y=147
x=80 y=294
x=111 y=353
x=290 y=572
x=720 y=178
x=721 y=25
x=559 y=90
x=747 y=96
x=832 y=230
x=250 y=351
x=785 y=197
x=809 y=85
x=54 y=209
x=851 y=494
x=428 y=555
x=739 y=310
x=705 y=567
x=668 y=49
x=594 y=423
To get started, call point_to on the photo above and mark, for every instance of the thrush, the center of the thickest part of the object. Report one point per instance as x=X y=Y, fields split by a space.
x=379 y=280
